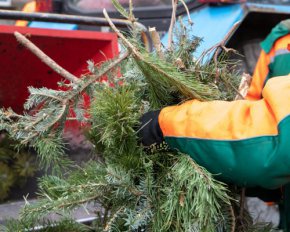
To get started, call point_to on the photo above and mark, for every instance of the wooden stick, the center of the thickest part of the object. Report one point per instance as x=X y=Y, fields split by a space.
x=187 y=11
x=121 y=36
x=172 y=23
x=45 y=59
x=156 y=41
x=244 y=86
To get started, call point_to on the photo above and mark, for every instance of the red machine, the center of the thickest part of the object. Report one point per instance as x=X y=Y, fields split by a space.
x=71 y=49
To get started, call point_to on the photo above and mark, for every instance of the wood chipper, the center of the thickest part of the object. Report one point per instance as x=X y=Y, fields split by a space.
x=71 y=49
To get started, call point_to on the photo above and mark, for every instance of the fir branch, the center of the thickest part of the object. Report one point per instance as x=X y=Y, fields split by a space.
x=201 y=202
x=51 y=153
x=61 y=112
x=47 y=96
x=97 y=184
x=44 y=58
x=61 y=205
x=49 y=117
x=9 y=114
x=166 y=79
x=39 y=96
x=45 y=225
x=109 y=226
x=115 y=113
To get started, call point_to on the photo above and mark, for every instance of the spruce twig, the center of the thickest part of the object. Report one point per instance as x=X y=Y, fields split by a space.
x=108 y=226
x=45 y=59
x=60 y=116
x=112 y=65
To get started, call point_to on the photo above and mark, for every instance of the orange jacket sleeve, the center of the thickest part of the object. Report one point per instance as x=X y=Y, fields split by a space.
x=223 y=120
x=243 y=142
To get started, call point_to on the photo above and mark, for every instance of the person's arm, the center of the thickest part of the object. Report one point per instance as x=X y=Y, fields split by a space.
x=243 y=142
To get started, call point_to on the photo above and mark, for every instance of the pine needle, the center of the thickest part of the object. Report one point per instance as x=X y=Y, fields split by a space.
x=121 y=9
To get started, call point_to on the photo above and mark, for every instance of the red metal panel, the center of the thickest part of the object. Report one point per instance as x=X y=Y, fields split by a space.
x=71 y=49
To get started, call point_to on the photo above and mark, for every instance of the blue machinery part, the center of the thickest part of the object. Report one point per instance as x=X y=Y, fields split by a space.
x=213 y=23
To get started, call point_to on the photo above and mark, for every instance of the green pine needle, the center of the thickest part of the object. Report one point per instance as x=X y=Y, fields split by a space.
x=121 y=9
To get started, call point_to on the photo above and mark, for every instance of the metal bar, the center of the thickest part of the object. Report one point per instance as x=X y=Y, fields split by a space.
x=84 y=20
x=62 y=18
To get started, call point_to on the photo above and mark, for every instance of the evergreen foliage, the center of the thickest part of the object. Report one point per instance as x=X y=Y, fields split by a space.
x=132 y=190
x=16 y=165
x=66 y=225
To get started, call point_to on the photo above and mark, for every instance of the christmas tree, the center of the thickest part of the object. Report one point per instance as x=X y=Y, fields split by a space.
x=134 y=189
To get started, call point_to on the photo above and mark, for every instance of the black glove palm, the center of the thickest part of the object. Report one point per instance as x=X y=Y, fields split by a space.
x=150 y=133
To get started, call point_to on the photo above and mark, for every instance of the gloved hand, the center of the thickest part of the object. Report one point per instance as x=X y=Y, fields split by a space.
x=149 y=132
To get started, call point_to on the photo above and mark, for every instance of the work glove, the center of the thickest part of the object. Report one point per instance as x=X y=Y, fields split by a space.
x=150 y=133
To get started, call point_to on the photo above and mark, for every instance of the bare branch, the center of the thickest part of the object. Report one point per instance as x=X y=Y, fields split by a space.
x=244 y=86
x=221 y=45
x=44 y=58
x=121 y=36
x=187 y=11
x=156 y=41
x=172 y=23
